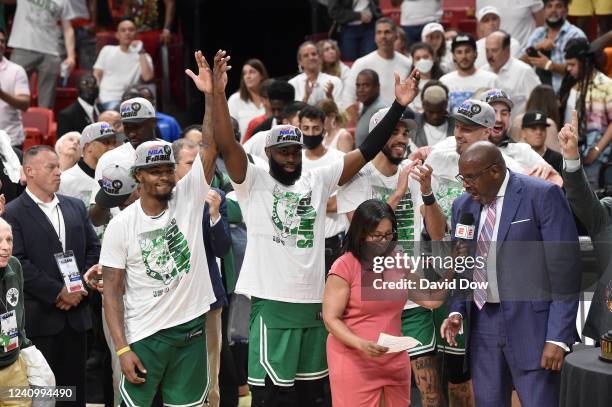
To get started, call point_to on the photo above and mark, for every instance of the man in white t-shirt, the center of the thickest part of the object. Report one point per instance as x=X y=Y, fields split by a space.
x=14 y=95
x=489 y=20
x=434 y=124
x=316 y=155
x=515 y=77
x=35 y=42
x=520 y=17
x=386 y=178
x=284 y=267
x=120 y=66
x=415 y=14
x=96 y=139
x=312 y=85
x=138 y=118
x=467 y=79
x=385 y=61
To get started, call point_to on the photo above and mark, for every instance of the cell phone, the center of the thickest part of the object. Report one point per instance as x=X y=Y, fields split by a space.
x=532 y=52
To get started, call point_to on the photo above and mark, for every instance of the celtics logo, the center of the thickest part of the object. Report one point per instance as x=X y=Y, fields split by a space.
x=293 y=217
x=12 y=296
x=446 y=192
x=165 y=253
x=404 y=214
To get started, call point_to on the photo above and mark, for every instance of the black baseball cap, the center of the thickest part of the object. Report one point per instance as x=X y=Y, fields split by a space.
x=534 y=118
x=462 y=39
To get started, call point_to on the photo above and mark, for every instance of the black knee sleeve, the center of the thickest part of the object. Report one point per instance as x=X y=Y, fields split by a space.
x=453 y=365
x=314 y=393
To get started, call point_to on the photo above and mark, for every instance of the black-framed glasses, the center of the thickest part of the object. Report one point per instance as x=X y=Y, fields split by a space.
x=379 y=237
x=470 y=179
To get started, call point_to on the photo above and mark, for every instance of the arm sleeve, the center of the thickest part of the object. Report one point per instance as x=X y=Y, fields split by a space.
x=243 y=189
x=114 y=248
x=342 y=269
x=101 y=60
x=192 y=185
x=21 y=86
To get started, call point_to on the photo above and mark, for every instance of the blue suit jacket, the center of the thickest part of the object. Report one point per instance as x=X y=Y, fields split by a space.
x=217 y=242
x=34 y=243
x=538 y=279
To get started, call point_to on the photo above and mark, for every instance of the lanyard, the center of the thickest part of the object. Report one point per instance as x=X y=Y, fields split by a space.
x=59 y=225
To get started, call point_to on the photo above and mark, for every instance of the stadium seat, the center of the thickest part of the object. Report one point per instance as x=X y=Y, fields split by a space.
x=64 y=97
x=43 y=120
x=460 y=15
x=33 y=137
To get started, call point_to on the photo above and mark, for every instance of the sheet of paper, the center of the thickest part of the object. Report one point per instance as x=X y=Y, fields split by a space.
x=397 y=343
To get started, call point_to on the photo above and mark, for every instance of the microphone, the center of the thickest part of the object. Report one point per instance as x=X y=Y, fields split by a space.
x=464 y=230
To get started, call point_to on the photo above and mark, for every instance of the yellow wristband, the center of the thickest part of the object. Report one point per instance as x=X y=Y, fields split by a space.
x=123 y=350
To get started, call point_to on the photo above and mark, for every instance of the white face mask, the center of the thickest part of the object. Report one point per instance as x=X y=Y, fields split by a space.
x=424 y=65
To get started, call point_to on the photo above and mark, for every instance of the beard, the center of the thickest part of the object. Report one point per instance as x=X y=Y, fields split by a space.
x=555 y=23
x=393 y=160
x=165 y=198
x=282 y=176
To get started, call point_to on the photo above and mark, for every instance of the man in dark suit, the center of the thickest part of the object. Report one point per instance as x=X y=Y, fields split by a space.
x=46 y=225
x=82 y=112
x=520 y=324
x=596 y=216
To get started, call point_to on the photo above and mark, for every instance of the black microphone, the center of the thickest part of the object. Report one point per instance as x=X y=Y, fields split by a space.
x=464 y=229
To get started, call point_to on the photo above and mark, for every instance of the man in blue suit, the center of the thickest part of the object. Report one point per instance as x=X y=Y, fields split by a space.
x=520 y=327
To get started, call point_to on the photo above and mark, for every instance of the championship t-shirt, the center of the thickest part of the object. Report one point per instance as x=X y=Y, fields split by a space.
x=76 y=183
x=370 y=183
x=166 y=272
x=285 y=254
x=334 y=223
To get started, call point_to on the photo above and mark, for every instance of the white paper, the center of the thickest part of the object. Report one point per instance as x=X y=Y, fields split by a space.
x=397 y=343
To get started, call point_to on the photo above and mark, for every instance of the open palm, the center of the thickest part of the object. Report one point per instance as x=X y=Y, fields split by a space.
x=408 y=89
x=204 y=79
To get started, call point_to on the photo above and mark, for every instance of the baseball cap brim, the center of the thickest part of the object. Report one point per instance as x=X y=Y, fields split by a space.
x=108 y=201
x=467 y=121
x=151 y=165
x=287 y=144
x=136 y=119
x=507 y=101
x=536 y=123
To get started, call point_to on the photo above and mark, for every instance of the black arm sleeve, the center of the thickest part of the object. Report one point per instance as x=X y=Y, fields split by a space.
x=379 y=136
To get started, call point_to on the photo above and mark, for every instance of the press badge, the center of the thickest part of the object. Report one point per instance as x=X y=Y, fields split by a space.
x=9 y=336
x=68 y=267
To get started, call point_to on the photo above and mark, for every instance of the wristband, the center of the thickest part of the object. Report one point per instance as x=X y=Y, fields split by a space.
x=429 y=199
x=548 y=65
x=123 y=350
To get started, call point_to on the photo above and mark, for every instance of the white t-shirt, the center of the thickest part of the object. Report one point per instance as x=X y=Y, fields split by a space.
x=123 y=155
x=523 y=154
x=481 y=60
x=419 y=12
x=318 y=93
x=76 y=183
x=120 y=70
x=243 y=111
x=256 y=145
x=334 y=222
x=518 y=80
x=285 y=258
x=435 y=134
x=36 y=25
x=517 y=16
x=384 y=68
x=166 y=272
x=370 y=183
x=463 y=87
x=14 y=81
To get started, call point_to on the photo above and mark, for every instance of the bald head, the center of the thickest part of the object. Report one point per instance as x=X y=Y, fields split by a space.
x=483 y=153
x=483 y=169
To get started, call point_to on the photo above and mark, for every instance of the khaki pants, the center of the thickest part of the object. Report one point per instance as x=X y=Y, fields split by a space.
x=14 y=376
x=213 y=344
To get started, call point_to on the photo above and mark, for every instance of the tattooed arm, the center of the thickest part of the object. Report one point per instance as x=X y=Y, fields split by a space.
x=114 y=288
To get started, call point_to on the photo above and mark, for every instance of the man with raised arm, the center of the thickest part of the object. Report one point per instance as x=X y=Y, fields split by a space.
x=283 y=270
x=157 y=288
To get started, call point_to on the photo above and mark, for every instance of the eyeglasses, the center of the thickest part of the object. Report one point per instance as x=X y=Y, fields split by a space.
x=377 y=237
x=470 y=179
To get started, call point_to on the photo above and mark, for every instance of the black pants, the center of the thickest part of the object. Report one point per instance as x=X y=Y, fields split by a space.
x=333 y=250
x=305 y=393
x=66 y=354
x=228 y=377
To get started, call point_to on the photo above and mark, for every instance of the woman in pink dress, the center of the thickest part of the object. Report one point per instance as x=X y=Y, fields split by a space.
x=361 y=373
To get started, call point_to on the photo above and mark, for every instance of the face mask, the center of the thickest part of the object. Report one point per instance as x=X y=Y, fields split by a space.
x=282 y=176
x=312 y=142
x=555 y=22
x=424 y=65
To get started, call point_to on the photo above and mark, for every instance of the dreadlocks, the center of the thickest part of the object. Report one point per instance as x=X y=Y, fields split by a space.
x=578 y=48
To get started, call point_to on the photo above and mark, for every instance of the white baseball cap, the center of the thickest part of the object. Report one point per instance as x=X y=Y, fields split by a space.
x=378 y=116
x=95 y=131
x=116 y=186
x=136 y=110
x=431 y=28
x=153 y=153
x=487 y=10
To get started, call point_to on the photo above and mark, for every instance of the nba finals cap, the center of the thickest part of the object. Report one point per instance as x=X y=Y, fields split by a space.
x=283 y=136
x=497 y=95
x=534 y=118
x=153 y=153
x=486 y=10
x=475 y=113
x=463 y=39
x=95 y=131
x=431 y=28
x=136 y=110
x=116 y=186
x=378 y=116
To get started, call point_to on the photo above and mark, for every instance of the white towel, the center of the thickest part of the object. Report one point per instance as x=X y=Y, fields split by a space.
x=11 y=161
